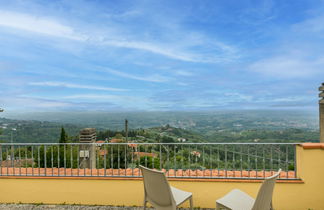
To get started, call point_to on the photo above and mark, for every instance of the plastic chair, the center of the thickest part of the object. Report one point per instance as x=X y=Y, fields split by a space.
x=238 y=200
x=159 y=193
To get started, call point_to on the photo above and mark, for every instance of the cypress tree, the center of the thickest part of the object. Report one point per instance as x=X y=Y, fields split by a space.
x=63 y=137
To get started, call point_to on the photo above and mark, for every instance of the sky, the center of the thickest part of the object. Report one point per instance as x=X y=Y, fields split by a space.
x=160 y=55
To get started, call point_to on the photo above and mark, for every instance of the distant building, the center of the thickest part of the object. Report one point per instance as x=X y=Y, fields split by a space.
x=140 y=137
x=196 y=153
x=100 y=142
x=88 y=151
x=88 y=135
x=8 y=157
x=116 y=140
x=130 y=144
x=16 y=162
x=102 y=152
x=133 y=146
x=182 y=140
x=138 y=155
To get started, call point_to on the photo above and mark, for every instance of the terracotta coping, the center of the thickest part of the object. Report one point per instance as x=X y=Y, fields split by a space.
x=313 y=145
x=294 y=181
x=178 y=175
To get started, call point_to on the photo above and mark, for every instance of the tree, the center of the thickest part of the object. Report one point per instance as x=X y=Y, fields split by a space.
x=166 y=139
x=64 y=136
x=118 y=136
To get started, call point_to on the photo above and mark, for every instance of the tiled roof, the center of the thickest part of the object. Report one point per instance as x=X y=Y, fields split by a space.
x=16 y=163
x=116 y=140
x=102 y=152
x=143 y=154
x=132 y=145
x=100 y=142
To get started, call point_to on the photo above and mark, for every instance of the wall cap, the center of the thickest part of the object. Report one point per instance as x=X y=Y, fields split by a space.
x=292 y=181
x=313 y=145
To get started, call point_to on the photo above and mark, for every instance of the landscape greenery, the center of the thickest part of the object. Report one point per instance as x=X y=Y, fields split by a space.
x=168 y=156
x=226 y=126
x=255 y=127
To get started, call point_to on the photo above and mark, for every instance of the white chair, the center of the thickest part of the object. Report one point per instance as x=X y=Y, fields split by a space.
x=238 y=200
x=159 y=193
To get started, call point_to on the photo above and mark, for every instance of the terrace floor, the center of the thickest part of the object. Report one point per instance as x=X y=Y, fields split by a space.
x=62 y=207
x=70 y=207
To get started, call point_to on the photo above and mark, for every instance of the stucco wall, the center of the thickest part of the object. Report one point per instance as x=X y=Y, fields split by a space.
x=287 y=196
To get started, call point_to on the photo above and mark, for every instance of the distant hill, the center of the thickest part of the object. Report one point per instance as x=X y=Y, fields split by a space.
x=234 y=126
x=197 y=121
x=33 y=131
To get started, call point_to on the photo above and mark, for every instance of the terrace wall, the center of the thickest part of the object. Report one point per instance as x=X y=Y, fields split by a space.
x=304 y=194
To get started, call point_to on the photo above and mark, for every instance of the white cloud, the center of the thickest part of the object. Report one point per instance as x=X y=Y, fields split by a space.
x=71 y=85
x=40 y=25
x=24 y=102
x=312 y=25
x=290 y=99
x=101 y=37
x=157 y=49
x=182 y=83
x=298 y=54
x=119 y=100
x=183 y=73
x=99 y=97
x=151 y=78
x=237 y=96
x=288 y=66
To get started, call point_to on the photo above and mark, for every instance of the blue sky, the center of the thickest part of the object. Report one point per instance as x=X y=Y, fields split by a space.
x=160 y=55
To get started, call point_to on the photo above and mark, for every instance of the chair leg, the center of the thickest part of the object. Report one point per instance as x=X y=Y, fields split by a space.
x=271 y=206
x=217 y=206
x=144 y=204
x=191 y=203
x=221 y=207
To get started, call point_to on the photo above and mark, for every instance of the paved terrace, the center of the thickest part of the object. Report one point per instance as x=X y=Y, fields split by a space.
x=64 y=207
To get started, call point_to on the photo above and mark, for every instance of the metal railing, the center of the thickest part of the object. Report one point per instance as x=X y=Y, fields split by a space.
x=181 y=160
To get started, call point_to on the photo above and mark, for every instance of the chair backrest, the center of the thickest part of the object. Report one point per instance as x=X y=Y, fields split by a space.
x=156 y=187
x=264 y=198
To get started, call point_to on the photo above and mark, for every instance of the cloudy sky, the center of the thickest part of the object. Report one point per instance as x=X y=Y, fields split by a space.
x=160 y=55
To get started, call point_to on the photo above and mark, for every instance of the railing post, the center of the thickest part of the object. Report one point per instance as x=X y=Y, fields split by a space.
x=321 y=112
x=0 y=160
x=198 y=159
x=88 y=138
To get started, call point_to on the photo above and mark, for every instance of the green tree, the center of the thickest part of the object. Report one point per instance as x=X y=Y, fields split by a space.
x=150 y=162
x=118 y=136
x=63 y=139
x=167 y=139
x=64 y=136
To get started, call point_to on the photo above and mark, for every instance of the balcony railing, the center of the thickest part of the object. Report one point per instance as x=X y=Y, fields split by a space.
x=180 y=160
